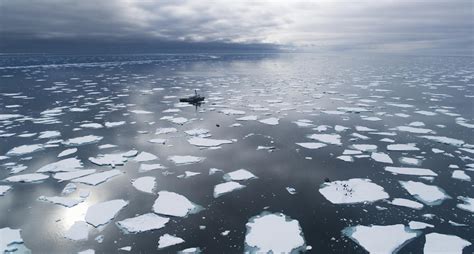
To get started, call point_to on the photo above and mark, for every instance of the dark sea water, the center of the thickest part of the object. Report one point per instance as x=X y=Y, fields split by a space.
x=380 y=101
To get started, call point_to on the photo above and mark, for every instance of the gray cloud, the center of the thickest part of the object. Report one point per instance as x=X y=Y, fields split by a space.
x=424 y=27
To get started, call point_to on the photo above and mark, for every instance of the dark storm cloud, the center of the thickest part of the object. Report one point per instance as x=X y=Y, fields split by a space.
x=425 y=27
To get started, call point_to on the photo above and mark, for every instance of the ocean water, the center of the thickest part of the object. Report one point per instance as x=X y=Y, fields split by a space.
x=354 y=112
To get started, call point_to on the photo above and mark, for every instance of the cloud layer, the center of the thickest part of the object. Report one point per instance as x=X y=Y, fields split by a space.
x=419 y=26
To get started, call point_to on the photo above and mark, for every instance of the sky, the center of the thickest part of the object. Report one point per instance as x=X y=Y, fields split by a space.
x=436 y=27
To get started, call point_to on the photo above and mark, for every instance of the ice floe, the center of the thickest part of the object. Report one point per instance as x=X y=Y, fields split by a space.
x=97 y=178
x=144 y=156
x=65 y=176
x=411 y=171
x=428 y=194
x=84 y=140
x=334 y=139
x=468 y=204
x=66 y=165
x=145 y=183
x=440 y=243
x=174 y=204
x=270 y=121
x=273 y=233
x=402 y=147
x=407 y=203
x=102 y=213
x=78 y=231
x=311 y=145
x=4 y=189
x=381 y=157
x=9 y=239
x=208 y=142
x=185 y=159
x=239 y=175
x=352 y=191
x=142 y=223
x=25 y=149
x=381 y=239
x=66 y=202
x=27 y=178
x=114 y=159
x=227 y=187
x=167 y=240
x=67 y=152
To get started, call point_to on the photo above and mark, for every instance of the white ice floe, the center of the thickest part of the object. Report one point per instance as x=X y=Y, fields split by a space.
x=165 y=131
x=407 y=203
x=247 y=118
x=157 y=141
x=440 y=243
x=97 y=178
x=9 y=116
x=141 y=112
x=67 y=152
x=232 y=112
x=149 y=167
x=414 y=130
x=445 y=140
x=381 y=239
x=227 y=187
x=192 y=250
x=88 y=251
x=356 y=190
x=346 y=158
x=174 y=204
x=114 y=124
x=101 y=213
x=270 y=121
x=4 y=189
x=68 y=189
x=419 y=225
x=334 y=139
x=208 y=142
x=142 y=223
x=428 y=194
x=91 y=125
x=461 y=175
x=9 y=238
x=66 y=165
x=176 y=120
x=49 y=134
x=311 y=145
x=411 y=171
x=364 y=147
x=185 y=159
x=114 y=159
x=78 y=231
x=239 y=175
x=66 y=202
x=199 y=132
x=402 y=147
x=144 y=156
x=25 y=149
x=468 y=204
x=353 y=109
x=410 y=161
x=381 y=157
x=84 y=140
x=167 y=240
x=273 y=233
x=27 y=178
x=65 y=176
x=145 y=183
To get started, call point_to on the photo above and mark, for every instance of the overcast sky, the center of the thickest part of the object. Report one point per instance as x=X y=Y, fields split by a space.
x=444 y=27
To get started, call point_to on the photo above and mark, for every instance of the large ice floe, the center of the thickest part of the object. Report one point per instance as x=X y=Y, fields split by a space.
x=78 y=231
x=64 y=201
x=84 y=140
x=97 y=178
x=440 y=243
x=208 y=142
x=239 y=175
x=428 y=194
x=411 y=171
x=102 y=213
x=114 y=159
x=27 y=178
x=9 y=239
x=356 y=190
x=273 y=233
x=174 y=204
x=468 y=204
x=4 y=189
x=142 y=223
x=381 y=239
x=25 y=149
x=66 y=165
x=333 y=139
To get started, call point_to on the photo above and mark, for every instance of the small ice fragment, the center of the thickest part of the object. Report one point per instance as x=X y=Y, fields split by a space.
x=291 y=190
x=347 y=158
x=239 y=175
x=102 y=213
x=157 y=141
x=114 y=124
x=232 y=112
x=407 y=203
x=145 y=184
x=78 y=231
x=352 y=191
x=144 y=156
x=140 y=112
x=4 y=189
x=311 y=145
x=419 y=225
x=227 y=187
x=91 y=125
x=174 y=204
x=167 y=240
x=165 y=131
x=411 y=171
x=445 y=140
x=440 y=243
x=67 y=152
x=270 y=121
x=273 y=233
x=381 y=239
x=185 y=159
x=142 y=223
x=214 y=170
x=49 y=134
x=247 y=118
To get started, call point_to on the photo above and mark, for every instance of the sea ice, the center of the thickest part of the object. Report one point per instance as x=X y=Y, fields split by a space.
x=145 y=183
x=227 y=187
x=461 y=175
x=78 y=231
x=101 y=213
x=185 y=159
x=365 y=147
x=381 y=157
x=402 y=147
x=208 y=142
x=270 y=121
x=66 y=165
x=311 y=145
x=25 y=149
x=232 y=112
x=165 y=131
x=97 y=178
x=89 y=139
x=4 y=189
x=428 y=194
x=49 y=134
x=174 y=204
x=273 y=233
x=419 y=225
x=65 y=176
x=356 y=190
x=334 y=139
x=67 y=152
x=142 y=223
x=381 y=239
x=27 y=178
x=445 y=140
x=114 y=159
x=144 y=156
x=8 y=239
x=167 y=240
x=411 y=171
x=239 y=175
x=440 y=243
x=468 y=204
x=66 y=202
x=407 y=203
